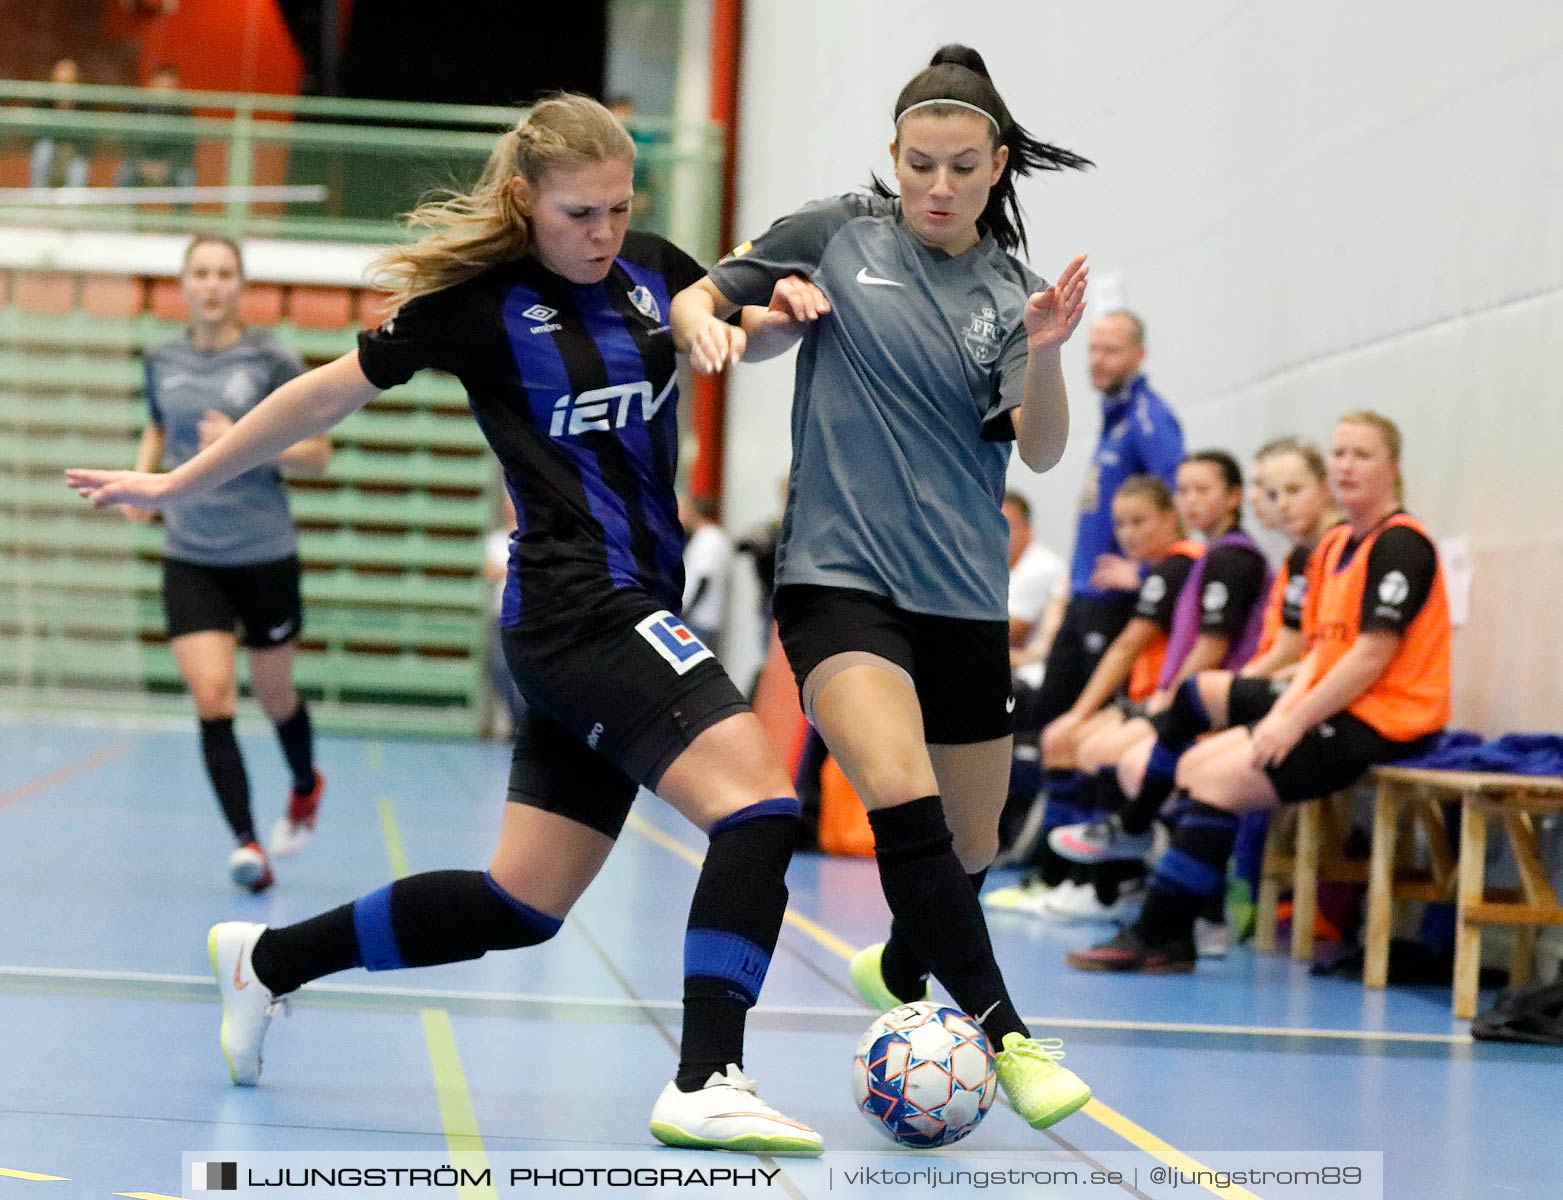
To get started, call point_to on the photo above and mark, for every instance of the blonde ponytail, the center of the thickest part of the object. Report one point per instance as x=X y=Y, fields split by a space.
x=468 y=232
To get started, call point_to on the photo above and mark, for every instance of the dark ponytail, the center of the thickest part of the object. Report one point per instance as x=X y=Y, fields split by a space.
x=958 y=73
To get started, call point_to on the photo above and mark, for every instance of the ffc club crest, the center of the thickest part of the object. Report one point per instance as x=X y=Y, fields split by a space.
x=982 y=336
x=645 y=303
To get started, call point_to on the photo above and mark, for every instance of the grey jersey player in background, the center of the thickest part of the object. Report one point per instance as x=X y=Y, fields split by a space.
x=926 y=349
x=230 y=557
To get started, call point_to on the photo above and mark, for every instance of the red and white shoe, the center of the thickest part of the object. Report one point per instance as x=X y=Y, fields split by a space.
x=250 y=869
x=292 y=832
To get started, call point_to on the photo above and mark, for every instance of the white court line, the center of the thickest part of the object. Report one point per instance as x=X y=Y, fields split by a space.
x=203 y=984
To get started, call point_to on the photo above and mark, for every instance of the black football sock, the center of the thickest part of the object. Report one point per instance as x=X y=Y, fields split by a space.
x=225 y=768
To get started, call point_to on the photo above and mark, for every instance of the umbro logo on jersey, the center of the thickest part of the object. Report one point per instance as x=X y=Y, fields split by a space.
x=868 y=280
x=605 y=409
x=544 y=316
x=1009 y=705
x=671 y=639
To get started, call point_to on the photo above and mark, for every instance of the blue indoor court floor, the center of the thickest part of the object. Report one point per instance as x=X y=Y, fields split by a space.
x=112 y=868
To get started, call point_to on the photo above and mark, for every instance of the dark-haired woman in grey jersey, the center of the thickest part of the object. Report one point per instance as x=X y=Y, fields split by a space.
x=926 y=348
x=230 y=558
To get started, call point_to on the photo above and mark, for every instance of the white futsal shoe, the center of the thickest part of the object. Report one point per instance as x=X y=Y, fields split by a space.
x=247 y=1006
x=727 y=1115
x=1073 y=903
x=250 y=869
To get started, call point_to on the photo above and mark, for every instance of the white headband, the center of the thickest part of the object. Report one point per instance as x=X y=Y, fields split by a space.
x=911 y=108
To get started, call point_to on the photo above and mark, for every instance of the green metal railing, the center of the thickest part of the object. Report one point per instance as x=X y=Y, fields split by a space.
x=374 y=160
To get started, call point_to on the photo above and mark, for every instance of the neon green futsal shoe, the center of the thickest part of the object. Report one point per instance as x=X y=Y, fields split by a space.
x=869 y=980
x=727 y=1115
x=1042 y=1092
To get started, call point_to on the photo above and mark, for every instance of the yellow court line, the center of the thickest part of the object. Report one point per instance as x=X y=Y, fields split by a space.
x=36 y=1178
x=393 y=838
x=148 y=1196
x=1135 y=1135
x=457 y=1114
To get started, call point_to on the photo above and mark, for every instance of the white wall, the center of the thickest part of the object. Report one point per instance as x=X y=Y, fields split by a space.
x=1315 y=208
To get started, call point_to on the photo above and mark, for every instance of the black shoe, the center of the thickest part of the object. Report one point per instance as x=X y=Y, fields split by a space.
x=1125 y=953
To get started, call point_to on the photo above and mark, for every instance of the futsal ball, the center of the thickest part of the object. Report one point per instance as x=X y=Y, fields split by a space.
x=923 y=1075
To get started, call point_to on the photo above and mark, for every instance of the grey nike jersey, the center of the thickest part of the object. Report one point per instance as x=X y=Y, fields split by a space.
x=900 y=421
x=246 y=520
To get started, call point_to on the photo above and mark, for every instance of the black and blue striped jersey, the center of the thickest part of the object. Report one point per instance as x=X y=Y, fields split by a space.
x=575 y=388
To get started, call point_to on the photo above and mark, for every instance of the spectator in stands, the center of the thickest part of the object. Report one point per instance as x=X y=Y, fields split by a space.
x=1373 y=688
x=533 y=292
x=60 y=160
x=708 y=565
x=1035 y=572
x=156 y=159
x=1140 y=434
x=230 y=558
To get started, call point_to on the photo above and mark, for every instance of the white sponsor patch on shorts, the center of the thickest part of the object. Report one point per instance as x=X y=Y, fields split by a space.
x=670 y=638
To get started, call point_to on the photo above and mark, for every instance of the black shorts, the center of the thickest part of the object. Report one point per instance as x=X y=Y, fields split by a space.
x=1089 y=626
x=960 y=668
x=614 y=692
x=1334 y=754
x=261 y=599
x=1250 y=699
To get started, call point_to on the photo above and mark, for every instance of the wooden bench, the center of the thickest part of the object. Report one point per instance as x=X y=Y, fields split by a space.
x=1317 y=833
x=1514 y=800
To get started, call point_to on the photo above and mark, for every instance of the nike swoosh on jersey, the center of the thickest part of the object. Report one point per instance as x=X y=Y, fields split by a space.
x=864 y=277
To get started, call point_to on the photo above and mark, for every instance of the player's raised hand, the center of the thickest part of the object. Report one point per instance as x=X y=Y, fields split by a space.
x=1052 y=314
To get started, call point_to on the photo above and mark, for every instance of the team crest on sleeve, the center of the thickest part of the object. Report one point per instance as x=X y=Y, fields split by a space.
x=1394 y=588
x=982 y=336
x=671 y=638
x=645 y=303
